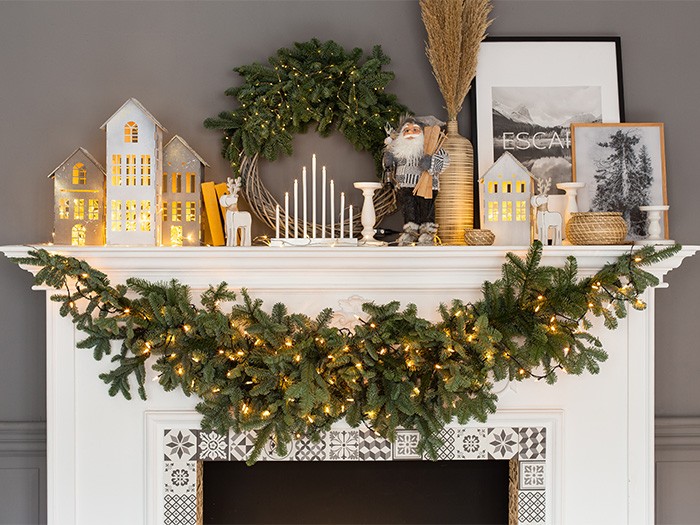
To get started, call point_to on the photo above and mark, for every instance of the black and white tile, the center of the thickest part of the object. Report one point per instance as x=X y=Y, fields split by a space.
x=241 y=446
x=532 y=475
x=532 y=507
x=180 y=477
x=212 y=446
x=180 y=445
x=533 y=443
x=470 y=443
x=373 y=447
x=344 y=445
x=448 y=450
x=271 y=451
x=180 y=509
x=502 y=443
x=307 y=450
x=406 y=445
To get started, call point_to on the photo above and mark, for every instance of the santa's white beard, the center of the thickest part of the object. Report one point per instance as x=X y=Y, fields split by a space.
x=405 y=148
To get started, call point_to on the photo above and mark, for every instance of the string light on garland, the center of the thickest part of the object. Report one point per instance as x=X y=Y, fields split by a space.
x=286 y=376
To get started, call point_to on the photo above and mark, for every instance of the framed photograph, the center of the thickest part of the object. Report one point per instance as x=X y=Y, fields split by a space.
x=528 y=91
x=623 y=167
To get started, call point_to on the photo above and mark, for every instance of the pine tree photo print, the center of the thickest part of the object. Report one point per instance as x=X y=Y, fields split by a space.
x=623 y=166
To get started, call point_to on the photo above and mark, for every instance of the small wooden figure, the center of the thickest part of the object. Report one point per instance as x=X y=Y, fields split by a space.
x=183 y=171
x=79 y=200
x=506 y=190
x=546 y=220
x=237 y=222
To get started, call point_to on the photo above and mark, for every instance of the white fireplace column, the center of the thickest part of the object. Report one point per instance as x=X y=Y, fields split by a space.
x=105 y=455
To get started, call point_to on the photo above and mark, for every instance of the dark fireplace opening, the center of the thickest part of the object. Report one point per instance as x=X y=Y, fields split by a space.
x=354 y=492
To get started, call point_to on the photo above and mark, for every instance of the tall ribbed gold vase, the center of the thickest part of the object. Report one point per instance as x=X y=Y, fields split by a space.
x=454 y=206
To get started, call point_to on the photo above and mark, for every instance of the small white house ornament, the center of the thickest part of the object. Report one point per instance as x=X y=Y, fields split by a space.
x=134 y=178
x=79 y=200
x=506 y=189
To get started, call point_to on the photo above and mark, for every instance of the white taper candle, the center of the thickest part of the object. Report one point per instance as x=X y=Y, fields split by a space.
x=332 y=197
x=303 y=197
x=313 y=195
x=277 y=221
x=323 y=203
x=286 y=215
x=342 y=213
x=296 y=208
x=350 y=219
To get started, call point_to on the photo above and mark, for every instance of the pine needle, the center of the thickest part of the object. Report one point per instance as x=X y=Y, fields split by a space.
x=455 y=30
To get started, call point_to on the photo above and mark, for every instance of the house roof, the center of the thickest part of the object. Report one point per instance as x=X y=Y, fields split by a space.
x=87 y=154
x=509 y=154
x=184 y=143
x=140 y=107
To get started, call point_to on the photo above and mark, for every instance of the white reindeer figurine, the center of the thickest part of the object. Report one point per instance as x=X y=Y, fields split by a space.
x=235 y=220
x=546 y=219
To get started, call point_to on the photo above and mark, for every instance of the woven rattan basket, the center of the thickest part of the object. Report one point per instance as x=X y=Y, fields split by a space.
x=596 y=228
x=479 y=237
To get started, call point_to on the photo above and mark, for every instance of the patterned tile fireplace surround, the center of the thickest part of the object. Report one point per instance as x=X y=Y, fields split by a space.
x=585 y=439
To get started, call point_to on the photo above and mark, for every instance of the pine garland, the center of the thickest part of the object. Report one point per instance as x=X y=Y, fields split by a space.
x=286 y=375
x=313 y=82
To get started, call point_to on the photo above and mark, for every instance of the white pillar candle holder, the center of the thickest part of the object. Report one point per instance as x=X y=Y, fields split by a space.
x=655 y=235
x=369 y=216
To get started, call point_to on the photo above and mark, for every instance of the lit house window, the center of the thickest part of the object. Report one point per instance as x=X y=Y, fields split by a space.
x=177 y=182
x=79 y=173
x=507 y=187
x=131 y=132
x=77 y=235
x=146 y=216
x=165 y=211
x=507 y=211
x=520 y=187
x=190 y=212
x=493 y=211
x=493 y=187
x=520 y=211
x=131 y=170
x=145 y=170
x=116 y=170
x=116 y=216
x=190 y=182
x=64 y=209
x=93 y=209
x=130 y=216
x=165 y=182
x=78 y=209
x=176 y=211
x=176 y=235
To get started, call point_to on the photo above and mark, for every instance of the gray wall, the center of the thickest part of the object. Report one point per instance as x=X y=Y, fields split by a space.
x=66 y=66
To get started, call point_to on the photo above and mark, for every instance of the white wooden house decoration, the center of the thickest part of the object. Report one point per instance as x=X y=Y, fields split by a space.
x=79 y=200
x=506 y=191
x=134 y=175
x=183 y=172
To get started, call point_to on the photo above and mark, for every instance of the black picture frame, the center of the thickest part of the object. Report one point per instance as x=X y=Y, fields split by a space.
x=555 y=67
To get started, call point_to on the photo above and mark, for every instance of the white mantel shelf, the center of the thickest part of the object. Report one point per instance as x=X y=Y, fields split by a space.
x=331 y=267
x=599 y=464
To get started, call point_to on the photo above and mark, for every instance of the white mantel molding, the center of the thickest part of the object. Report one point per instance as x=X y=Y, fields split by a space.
x=337 y=268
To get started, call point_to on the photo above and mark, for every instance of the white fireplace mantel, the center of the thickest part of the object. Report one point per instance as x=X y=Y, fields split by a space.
x=103 y=458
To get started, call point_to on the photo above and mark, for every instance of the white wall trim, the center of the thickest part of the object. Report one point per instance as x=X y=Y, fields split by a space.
x=678 y=433
x=22 y=439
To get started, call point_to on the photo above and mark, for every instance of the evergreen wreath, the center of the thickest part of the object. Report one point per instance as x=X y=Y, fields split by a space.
x=312 y=82
x=286 y=375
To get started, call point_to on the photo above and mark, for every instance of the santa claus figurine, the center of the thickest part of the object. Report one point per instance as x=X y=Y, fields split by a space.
x=407 y=157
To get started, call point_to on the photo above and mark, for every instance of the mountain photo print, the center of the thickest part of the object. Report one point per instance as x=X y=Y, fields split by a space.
x=534 y=125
